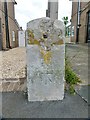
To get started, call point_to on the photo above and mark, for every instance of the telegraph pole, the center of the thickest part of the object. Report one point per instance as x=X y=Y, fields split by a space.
x=52 y=10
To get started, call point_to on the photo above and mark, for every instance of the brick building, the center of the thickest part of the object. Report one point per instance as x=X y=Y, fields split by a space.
x=84 y=22
x=8 y=25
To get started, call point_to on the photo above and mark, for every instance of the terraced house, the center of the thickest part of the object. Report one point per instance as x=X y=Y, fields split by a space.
x=80 y=22
x=8 y=25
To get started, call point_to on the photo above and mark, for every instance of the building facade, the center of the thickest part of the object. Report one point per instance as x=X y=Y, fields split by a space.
x=81 y=30
x=52 y=10
x=8 y=25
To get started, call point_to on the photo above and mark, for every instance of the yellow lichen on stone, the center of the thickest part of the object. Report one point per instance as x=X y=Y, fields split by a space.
x=30 y=34
x=59 y=42
x=32 y=40
x=46 y=56
x=45 y=53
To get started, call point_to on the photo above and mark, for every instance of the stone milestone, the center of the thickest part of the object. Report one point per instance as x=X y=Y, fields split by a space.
x=45 y=60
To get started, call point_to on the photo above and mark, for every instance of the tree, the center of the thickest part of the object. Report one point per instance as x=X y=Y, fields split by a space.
x=65 y=20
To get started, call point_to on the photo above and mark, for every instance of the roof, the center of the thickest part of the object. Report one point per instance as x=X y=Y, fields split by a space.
x=14 y=1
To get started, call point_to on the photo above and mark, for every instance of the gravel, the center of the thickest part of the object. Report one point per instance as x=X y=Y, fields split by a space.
x=13 y=63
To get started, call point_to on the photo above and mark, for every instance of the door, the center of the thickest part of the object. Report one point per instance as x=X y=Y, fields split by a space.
x=21 y=36
x=88 y=28
x=0 y=36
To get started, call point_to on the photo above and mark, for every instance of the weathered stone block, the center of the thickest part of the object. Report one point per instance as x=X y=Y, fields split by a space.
x=45 y=60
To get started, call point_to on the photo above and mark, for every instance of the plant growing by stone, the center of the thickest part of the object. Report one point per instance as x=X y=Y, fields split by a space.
x=71 y=78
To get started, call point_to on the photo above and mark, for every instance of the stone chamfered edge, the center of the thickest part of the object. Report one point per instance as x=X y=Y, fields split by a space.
x=43 y=84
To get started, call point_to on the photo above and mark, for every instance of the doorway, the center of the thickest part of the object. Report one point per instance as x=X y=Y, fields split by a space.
x=88 y=28
x=0 y=35
x=21 y=37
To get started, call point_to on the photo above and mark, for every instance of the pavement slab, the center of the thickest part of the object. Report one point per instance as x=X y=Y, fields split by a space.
x=83 y=91
x=77 y=54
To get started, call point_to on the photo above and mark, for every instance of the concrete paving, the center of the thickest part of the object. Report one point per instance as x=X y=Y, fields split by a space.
x=15 y=105
x=77 y=54
x=13 y=63
x=12 y=69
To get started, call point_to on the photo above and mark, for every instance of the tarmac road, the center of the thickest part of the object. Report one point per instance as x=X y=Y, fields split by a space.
x=15 y=105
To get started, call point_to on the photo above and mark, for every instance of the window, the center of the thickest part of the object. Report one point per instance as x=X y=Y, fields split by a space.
x=72 y=31
x=13 y=36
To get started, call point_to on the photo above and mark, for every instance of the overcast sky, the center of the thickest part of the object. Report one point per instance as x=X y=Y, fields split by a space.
x=27 y=10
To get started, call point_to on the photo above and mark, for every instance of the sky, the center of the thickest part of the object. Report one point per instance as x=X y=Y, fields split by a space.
x=27 y=10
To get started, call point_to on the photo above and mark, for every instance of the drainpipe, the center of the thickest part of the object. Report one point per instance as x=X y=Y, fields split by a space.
x=78 y=22
x=6 y=24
